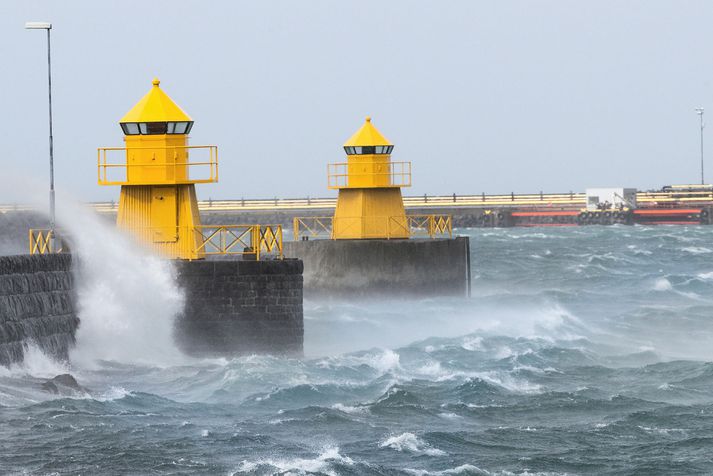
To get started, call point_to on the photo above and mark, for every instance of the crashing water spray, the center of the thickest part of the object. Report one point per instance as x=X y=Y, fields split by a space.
x=127 y=299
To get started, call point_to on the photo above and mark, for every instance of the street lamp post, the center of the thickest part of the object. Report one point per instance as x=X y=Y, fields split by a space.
x=699 y=111
x=48 y=26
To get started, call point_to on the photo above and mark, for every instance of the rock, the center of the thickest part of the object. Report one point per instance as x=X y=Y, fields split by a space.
x=50 y=387
x=64 y=384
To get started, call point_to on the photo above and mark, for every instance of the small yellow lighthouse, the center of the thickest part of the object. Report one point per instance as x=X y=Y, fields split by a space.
x=158 y=197
x=369 y=204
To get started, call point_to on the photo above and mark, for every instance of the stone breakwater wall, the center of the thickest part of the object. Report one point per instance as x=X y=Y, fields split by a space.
x=371 y=268
x=36 y=306
x=236 y=307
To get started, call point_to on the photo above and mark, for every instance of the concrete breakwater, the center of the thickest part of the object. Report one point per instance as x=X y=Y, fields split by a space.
x=37 y=306
x=343 y=268
x=232 y=307
x=238 y=307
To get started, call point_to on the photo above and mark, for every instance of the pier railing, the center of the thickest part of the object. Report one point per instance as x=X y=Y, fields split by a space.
x=415 y=226
x=536 y=200
x=46 y=242
x=254 y=241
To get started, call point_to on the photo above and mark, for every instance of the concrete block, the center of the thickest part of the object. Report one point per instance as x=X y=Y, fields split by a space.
x=344 y=268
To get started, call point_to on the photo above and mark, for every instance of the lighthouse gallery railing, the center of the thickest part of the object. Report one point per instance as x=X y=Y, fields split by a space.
x=173 y=159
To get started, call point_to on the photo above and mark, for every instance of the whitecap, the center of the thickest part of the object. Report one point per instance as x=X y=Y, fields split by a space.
x=662 y=284
x=350 y=409
x=697 y=250
x=472 y=343
x=410 y=443
x=321 y=464
x=113 y=393
x=462 y=469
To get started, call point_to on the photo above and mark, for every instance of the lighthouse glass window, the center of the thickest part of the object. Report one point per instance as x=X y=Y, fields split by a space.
x=130 y=129
x=156 y=128
x=369 y=149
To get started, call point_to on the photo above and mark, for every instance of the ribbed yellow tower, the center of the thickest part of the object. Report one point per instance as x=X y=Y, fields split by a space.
x=369 y=204
x=158 y=198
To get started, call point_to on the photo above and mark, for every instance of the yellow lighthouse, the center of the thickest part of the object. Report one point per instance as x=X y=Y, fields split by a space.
x=369 y=204
x=158 y=200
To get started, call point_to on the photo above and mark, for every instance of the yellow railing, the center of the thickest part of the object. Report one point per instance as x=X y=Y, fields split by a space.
x=252 y=240
x=244 y=240
x=177 y=166
x=382 y=174
x=43 y=241
x=431 y=226
x=311 y=227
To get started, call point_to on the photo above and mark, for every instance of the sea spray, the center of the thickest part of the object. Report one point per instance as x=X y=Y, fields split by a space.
x=127 y=299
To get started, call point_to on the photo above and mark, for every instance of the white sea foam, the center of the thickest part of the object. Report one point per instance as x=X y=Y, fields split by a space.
x=113 y=393
x=383 y=361
x=663 y=431
x=472 y=343
x=322 y=464
x=462 y=469
x=410 y=443
x=350 y=409
x=662 y=284
x=697 y=250
x=449 y=416
x=36 y=364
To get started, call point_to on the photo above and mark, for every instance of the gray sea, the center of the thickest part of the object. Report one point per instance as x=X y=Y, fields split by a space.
x=581 y=351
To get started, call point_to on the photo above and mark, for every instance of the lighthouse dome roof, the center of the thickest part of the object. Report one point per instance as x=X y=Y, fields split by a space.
x=156 y=106
x=367 y=135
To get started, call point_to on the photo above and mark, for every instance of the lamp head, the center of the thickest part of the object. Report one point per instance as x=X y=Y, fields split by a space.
x=38 y=25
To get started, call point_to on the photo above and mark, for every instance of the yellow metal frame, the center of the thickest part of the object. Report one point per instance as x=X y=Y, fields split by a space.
x=104 y=166
x=311 y=227
x=245 y=240
x=43 y=241
x=398 y=174
x=240 y=239
x=430 y=226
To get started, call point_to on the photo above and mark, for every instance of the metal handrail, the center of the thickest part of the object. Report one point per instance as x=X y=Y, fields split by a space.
x=250 y=240
x=103 y=166
x=438 y=201
x=339 y=174
x=46 y=241
x=431 y=226
x=313 y=227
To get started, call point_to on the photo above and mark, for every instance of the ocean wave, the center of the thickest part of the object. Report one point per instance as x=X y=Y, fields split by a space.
x=697 y=250
x=327 y=462
x=662 y=284
x=410 y=443
x=352 y=410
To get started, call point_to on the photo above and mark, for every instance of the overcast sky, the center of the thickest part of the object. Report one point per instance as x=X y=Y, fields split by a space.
x=493 y=96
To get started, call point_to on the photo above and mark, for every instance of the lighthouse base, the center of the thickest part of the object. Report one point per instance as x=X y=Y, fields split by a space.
x=347 y=268
x=236 y=307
